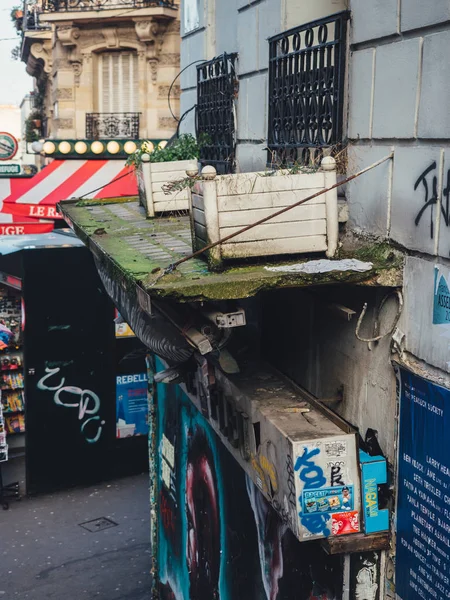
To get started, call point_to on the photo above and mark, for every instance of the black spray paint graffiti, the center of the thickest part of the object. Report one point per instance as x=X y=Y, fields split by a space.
x=430 y=190
x=290 y=481
x=336 y=472
x=87 y=402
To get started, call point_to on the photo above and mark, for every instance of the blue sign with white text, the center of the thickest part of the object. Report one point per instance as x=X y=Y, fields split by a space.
x=441 y=303
x=423 y=510
x=132 y=405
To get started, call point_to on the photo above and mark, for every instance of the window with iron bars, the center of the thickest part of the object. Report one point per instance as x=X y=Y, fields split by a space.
x=215 y=123
x=306 y=91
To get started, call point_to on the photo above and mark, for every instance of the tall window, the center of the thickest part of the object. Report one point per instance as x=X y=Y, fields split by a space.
x=191 y=16
x=117 y=82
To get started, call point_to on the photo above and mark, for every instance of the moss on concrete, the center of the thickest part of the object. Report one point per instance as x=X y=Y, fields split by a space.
x=111 y=235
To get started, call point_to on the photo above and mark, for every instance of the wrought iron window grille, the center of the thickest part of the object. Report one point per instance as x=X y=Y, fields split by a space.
x=306 y=90
x=80 y=5
x=112 y=125
x=217 y=88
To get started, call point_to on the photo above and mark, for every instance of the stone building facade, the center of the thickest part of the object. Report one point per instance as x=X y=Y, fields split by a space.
x=104 y=72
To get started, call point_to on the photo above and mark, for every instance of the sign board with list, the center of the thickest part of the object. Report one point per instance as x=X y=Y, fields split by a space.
x=423 y=510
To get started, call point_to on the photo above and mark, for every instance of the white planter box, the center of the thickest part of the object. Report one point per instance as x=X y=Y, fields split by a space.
x=151 y=179
x=223 y=204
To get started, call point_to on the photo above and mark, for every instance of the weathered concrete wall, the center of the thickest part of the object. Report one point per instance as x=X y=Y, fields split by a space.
x=321 y=352
x=399 y=78
x=426 y=319
x=244 y=26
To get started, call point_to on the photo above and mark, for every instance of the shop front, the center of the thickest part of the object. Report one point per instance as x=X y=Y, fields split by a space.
x=73 y=384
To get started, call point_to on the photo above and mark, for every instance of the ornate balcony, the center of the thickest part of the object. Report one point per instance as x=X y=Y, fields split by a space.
x=112 y=125
x=83 y=5
x=306 y=89
x=216 y=92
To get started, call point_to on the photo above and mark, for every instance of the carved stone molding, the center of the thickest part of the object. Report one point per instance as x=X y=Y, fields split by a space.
x=163 y=91
x=174 y=26
x=40 y=52
x=77 y=67
x=146 y=31
x=64 y=93
x=64 y=123
x=111 y=37
x=153 y=63
x=68 y=35
x=169 y=59
x=166 y=123
x=151 y=32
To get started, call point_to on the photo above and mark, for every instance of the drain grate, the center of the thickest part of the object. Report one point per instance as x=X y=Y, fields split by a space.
x=98 y=524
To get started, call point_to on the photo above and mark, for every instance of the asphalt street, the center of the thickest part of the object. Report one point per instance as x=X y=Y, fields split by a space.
x=90 y=543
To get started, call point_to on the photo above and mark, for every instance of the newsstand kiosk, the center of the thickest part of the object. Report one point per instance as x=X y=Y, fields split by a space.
x=72 y=375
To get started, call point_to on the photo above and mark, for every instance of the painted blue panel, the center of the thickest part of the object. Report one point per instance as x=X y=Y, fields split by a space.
x=423 y=517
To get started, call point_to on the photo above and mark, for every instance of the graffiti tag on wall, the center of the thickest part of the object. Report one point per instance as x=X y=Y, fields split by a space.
x=428 y=183
x=68 y=396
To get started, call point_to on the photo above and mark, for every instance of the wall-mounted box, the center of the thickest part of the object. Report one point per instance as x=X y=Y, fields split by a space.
x=373 y=474
x=301 y=456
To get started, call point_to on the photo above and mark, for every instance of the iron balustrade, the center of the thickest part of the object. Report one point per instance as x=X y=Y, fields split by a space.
x=80 y=5
x=306 y=89
x=112 y=125
x=215 y=126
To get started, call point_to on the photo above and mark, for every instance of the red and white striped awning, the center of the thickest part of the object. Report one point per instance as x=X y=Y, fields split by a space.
x=26 y=201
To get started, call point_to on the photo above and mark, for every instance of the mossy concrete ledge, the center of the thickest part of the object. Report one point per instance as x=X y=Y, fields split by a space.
x=138 y=251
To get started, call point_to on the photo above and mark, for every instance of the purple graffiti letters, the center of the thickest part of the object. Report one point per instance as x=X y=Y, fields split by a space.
x=312 y=476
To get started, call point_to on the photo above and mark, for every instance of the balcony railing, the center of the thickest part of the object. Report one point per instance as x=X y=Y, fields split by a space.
x=82 y=5
x=216 y=93
x=112 y=125
x=306 y=88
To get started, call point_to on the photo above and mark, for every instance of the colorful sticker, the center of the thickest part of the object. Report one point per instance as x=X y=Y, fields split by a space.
x=344 y=523
x=328 y=500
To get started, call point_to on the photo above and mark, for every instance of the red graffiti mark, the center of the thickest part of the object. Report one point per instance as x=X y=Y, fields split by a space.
x=167 y=516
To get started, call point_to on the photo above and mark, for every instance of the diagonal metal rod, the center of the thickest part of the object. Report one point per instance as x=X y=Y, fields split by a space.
x=174 y=265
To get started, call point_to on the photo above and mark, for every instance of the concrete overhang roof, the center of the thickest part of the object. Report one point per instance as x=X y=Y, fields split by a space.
x=136 y=251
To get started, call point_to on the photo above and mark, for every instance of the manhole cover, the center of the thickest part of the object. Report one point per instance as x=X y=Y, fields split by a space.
x=98 y=524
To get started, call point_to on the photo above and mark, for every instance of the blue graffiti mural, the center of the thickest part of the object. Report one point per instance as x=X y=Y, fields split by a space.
x=218 y=537
x=192 y=514
x=313 y=478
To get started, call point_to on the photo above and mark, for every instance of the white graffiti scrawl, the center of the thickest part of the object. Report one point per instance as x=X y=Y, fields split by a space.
x=69 y=396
